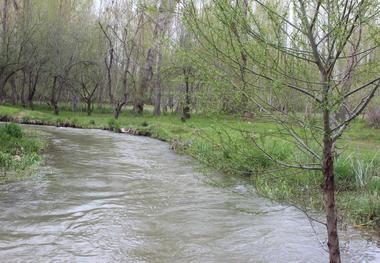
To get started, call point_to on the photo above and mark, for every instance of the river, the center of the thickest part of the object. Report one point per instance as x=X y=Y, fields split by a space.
x=107 y=197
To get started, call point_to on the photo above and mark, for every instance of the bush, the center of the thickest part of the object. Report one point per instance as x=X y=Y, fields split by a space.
x=5 y=160
x=58 y=121
x=373 y=117
x=13 y=130
x=114 y=125
x=18 y=153
x=75 y=122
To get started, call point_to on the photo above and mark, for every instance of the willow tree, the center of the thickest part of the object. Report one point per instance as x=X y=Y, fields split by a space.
x=122 y=27
x=154 y=53
x=12 y=43
x=298 y=49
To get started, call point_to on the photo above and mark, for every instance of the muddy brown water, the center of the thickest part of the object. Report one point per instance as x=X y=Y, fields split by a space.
x=106 y=197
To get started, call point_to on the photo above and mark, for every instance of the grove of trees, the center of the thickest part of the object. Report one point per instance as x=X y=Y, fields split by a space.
x=310 y=67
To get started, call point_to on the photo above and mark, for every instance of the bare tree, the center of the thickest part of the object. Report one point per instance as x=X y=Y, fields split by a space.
x=122 y=57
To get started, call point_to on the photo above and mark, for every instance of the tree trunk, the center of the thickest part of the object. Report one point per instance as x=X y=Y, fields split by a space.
x=146 y=75
x=116 y=114
x=158 y=34
x=329 y=188
x=158 y=91
x=89 y=108
x=243 y=58
x=74 y=102
x=32 y=88
x=117 y=110
x=2 y=88
x=22 y=95
x=186 y=108
x=12 y=81
x=53 y=100
x=55 y=108
x=330 y=208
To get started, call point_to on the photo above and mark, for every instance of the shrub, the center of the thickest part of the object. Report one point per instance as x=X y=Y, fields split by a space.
x=18 y=153
x=13 y=130
x=92 y=122
x=59 y=121
x=75 y=122
x=5 y=160
x=373 y=117
x=114 y=125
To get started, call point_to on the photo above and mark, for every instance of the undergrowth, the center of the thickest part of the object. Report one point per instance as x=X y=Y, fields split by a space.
x=18 y=152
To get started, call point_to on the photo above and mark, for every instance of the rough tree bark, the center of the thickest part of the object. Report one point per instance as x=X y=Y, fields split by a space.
x=329 y=184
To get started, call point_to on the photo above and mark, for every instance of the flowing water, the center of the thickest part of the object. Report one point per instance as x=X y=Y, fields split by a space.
x=105 y=197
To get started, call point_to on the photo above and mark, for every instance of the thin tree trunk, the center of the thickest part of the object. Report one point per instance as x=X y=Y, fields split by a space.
x=89 y=108
x=243 y=58
x=117 y=110
x=4 y=77
x=158 y=34
x=53 y=99
x=157 y=100
x=146 y=75
x=186 y=108
x=74 y=103
x=2 y=88
x=32 y=87
x=329 y=186
x=22 y=95
x=12 y=81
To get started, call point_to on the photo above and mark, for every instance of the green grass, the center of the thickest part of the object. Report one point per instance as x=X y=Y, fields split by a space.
x=217 y=141
x=19 y=151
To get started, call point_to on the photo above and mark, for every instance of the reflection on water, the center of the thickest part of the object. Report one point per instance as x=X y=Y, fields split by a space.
x=106 y=197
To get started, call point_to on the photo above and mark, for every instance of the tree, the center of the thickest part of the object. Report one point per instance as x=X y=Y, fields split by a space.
x=163 y=18
x=85 y=78
x=298 y=53
x=165 y=13
x=12 y=47
x=122 y=56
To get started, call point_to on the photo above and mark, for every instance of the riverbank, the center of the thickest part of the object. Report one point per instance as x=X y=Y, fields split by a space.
x=20 y=152
x=110 y=197
x=219 y=142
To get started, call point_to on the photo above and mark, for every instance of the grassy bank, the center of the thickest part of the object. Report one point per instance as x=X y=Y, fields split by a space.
x=219 y=142
x=19 y=152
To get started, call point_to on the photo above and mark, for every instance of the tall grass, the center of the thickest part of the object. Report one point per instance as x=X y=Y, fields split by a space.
x=17 y=151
